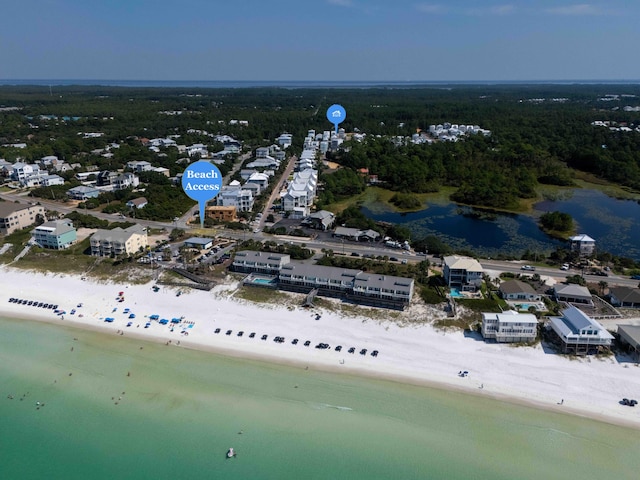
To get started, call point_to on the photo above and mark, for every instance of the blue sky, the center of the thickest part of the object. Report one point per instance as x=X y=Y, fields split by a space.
x=348 y=40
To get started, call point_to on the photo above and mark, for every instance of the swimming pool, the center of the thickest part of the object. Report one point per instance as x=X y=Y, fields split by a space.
x=262 y=281
x=455 y=293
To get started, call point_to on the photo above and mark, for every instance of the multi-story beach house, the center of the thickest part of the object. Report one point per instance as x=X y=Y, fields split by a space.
x=55 y=234
x=583 y=244
x=578 y=333
x=235 y=196
x=509 y=326
x=16 y=216
x=105 y=243
x=463 y=273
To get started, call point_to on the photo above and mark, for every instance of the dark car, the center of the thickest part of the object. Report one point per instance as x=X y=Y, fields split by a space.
x=307 y=343
x=264 y=337
x=635 y=277
x=352 y=350
x=295 y=341
x=252 y=334
x=217 y=330
x=338 y=348
x=601 y=273
x=355 y=254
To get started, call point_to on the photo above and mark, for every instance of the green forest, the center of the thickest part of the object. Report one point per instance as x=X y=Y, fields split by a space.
x=540 y=135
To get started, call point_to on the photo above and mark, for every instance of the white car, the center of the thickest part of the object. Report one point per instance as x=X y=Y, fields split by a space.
x=565 y=267
x=528 y=267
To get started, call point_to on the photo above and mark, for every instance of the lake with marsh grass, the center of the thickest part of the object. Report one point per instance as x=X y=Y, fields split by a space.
x=613 y=223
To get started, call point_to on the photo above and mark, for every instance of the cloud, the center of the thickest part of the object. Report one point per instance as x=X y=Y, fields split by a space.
x=489 y=10
x=502 y=9
x=577 y=9
x=341 y=3
x=430 y=8
x=492 y=10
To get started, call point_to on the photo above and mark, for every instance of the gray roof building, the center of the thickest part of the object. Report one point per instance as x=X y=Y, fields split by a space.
x=625 y=297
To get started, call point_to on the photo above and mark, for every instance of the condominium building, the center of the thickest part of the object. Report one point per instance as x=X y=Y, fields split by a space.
x=16 y=216
x=119 y=241
x=354 y=285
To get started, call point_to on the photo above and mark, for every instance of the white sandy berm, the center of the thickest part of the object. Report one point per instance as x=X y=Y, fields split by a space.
x=418 y=354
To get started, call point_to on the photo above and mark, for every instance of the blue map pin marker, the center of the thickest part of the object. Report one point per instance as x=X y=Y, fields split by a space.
x=336 y=115
x=202 y=181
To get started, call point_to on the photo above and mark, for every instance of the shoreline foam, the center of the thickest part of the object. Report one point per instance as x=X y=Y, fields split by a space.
x=417 y=355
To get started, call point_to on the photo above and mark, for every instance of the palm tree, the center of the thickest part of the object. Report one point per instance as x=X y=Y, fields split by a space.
x=603 y=285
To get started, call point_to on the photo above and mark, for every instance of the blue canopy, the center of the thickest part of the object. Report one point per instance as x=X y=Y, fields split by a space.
x=154 y=317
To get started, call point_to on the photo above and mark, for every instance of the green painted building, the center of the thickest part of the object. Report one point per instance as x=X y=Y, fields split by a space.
x=55 y=234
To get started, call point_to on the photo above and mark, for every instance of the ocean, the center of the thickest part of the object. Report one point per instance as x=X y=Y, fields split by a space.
x=78 y=404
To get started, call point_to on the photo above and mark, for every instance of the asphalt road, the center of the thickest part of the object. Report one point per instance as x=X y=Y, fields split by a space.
x=338 y=246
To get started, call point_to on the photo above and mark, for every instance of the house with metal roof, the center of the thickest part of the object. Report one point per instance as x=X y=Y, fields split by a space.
x=625 y=297
x=583 y=244
x=578 y=333
x=82 y=192
x=201 y=243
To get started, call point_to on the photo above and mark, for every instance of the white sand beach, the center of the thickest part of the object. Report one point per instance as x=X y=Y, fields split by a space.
x=412 y=353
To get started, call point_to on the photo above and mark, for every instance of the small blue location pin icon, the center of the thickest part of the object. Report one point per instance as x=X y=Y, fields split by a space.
x=202 y=181
x=336 y=115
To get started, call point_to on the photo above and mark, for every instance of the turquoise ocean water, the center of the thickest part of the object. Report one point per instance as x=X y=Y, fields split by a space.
x=115 y=410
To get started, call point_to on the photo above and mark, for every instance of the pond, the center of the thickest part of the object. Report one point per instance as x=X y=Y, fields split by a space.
x=613 y=223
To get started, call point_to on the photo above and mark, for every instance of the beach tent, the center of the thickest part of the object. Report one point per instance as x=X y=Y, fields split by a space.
x=133 y=315
x=154 y=317
x=164 y=321
x=175 y=320
x=109 y=319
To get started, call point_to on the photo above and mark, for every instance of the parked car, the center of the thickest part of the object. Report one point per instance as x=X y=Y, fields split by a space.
x=635 y=277
x=565 y=267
